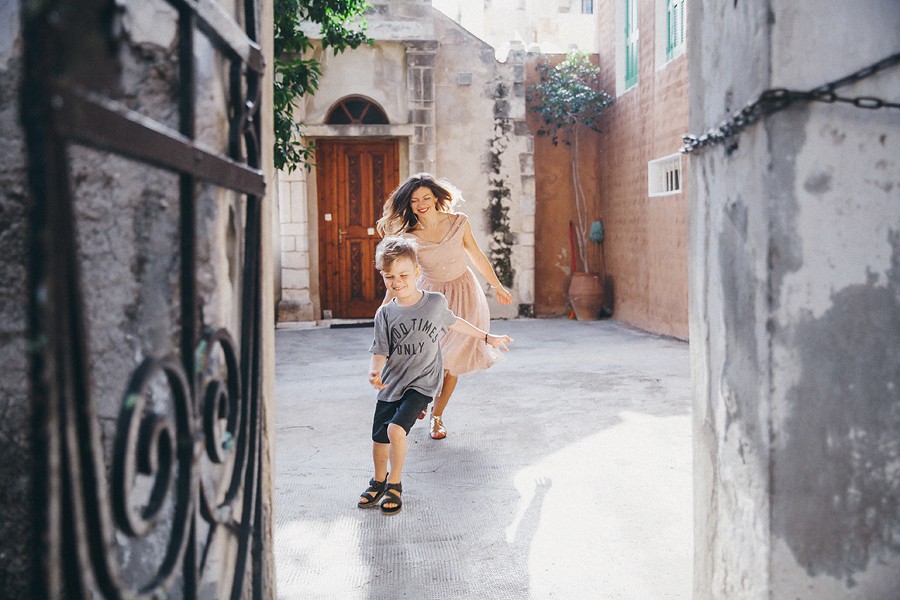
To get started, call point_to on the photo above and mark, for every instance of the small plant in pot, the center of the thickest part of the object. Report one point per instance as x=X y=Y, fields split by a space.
x=568 y=98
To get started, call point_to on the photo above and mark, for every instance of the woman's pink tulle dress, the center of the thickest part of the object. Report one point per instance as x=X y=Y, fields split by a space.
x=445 y=270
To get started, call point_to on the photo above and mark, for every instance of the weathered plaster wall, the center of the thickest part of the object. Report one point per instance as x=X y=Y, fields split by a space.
x=377 y=72
x=795 y=308
x=15 y=443
x=467 y=116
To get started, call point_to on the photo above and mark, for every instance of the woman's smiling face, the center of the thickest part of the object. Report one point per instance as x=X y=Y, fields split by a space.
x=422 y=200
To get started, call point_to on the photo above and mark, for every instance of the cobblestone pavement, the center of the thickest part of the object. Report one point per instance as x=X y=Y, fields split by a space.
x=566 y=473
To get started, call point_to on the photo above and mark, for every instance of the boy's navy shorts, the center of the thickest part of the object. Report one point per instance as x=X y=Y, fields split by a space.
x=403 y=412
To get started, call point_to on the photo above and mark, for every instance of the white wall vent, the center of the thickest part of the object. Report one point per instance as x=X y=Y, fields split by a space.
x=664 y=176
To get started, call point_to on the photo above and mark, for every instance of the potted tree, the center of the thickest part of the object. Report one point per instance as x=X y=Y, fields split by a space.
x=568 y=99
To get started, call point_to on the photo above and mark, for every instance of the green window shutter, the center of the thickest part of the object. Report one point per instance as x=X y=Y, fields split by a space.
x=674 y=28
x=670 y=30
x=631 y=44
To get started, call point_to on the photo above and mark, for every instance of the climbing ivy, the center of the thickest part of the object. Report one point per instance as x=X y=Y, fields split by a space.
x=499 y=194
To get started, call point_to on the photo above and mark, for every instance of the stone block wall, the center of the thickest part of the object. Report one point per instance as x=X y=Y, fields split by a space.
x=296 y=299
x=480 y=113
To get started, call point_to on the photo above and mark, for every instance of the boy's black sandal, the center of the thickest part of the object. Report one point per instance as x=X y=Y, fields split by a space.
x=392 y=493
x=366 y=499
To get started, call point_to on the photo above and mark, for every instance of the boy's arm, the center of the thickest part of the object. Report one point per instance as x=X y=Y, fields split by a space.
x=464 y=327
x=375 y=367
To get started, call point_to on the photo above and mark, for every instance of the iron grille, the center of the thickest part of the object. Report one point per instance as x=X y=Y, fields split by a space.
x=84 y=503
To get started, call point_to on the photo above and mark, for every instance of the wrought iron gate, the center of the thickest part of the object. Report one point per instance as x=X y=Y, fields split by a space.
x=86 y=504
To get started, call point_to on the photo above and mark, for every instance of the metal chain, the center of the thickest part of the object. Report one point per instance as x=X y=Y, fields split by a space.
x=777 y=99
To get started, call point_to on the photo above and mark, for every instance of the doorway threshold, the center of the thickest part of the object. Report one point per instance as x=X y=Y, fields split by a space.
x=350 y=323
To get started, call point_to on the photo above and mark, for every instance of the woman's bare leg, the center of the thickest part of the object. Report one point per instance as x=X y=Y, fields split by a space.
x=440 y=403
x=438 y=431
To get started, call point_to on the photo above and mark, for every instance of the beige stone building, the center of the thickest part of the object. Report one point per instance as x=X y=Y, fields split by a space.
x=427 y=96
x=553 y=26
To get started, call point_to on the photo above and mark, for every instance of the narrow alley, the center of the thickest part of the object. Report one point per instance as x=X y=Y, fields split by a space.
x=566 y=473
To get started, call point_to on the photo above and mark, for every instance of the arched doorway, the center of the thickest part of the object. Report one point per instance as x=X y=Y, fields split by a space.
x=354 y=178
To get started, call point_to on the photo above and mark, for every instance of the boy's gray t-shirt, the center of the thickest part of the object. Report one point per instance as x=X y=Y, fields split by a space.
x=409 y=336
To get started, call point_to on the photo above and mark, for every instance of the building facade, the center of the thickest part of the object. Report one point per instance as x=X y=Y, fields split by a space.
x=546 y=27
x=427 y=96
x=641 y=175
x=632 y=173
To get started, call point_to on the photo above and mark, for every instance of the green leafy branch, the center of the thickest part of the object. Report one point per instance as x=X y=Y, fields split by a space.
x=341 y=27
x=567 y=97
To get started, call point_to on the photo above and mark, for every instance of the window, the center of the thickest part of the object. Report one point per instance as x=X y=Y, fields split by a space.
x=664 y=176
x=674 y=28
x=587 y=7
x=356 y=110
x=631 y=43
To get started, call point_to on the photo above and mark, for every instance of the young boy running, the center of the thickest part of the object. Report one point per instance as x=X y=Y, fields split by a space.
x=406 y=366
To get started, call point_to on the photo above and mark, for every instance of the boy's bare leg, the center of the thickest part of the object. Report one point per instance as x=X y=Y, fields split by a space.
x=440 y=403
x=397 y=452
x=380 y=453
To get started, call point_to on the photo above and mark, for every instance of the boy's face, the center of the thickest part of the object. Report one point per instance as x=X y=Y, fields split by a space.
x=400 y=277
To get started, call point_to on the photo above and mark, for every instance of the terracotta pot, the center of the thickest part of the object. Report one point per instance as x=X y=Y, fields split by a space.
x=586 y=296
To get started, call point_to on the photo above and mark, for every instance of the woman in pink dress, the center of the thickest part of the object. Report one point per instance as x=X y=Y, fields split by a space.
x=421 y=208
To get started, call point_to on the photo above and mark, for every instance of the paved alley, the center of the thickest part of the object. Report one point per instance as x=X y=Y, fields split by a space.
x=566 y=473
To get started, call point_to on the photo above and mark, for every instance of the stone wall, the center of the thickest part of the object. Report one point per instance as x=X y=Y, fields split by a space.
x=795 y=307
x=480 y=113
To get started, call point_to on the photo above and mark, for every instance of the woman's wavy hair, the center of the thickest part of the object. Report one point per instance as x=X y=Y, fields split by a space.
x=398 y=216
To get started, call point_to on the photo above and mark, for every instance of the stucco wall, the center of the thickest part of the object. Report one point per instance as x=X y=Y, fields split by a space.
x=795 y=307
x=377 y=72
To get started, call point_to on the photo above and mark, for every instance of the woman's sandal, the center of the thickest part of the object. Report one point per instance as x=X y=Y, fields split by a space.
x=392 y=493
x=366 y=499
x=438 y=431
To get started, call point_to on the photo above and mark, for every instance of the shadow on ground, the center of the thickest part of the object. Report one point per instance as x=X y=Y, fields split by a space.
x=566 y=473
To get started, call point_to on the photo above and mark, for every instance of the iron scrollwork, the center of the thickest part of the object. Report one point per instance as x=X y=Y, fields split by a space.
x=186 y=455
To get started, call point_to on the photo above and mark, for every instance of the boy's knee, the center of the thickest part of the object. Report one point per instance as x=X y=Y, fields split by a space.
x=394 y=430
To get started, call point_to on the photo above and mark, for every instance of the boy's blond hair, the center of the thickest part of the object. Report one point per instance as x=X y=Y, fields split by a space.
x=392 y=248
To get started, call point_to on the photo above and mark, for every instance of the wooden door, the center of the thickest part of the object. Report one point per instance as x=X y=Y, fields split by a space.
x=354 y=179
